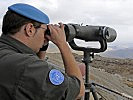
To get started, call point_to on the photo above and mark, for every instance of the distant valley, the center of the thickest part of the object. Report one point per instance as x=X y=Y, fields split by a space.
x=119 y=53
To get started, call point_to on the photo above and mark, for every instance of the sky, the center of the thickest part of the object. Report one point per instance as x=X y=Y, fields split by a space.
x=117 y=14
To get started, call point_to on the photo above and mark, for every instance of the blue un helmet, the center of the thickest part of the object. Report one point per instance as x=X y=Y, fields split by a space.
x=29 y=12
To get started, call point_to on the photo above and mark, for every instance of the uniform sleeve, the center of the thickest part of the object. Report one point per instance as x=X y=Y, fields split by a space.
x=73 y=88
x=35 y=84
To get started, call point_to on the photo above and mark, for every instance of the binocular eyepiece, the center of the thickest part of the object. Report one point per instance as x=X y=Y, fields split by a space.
x=88 y=33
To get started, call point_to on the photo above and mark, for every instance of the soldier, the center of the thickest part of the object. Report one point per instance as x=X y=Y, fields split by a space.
x=23 y=73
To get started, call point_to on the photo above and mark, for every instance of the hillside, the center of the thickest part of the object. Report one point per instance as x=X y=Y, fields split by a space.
x=123 y=67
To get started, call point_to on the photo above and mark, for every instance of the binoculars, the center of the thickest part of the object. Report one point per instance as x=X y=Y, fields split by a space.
x=101 y=34
x=88 y=33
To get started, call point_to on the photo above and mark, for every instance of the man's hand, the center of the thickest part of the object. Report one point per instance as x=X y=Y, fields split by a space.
x=57 y=34
x=82 y=68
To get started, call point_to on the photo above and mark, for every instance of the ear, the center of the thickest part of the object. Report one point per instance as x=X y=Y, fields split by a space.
x=30 y=30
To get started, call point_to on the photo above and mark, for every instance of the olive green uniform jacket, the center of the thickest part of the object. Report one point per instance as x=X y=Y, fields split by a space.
x=23 y=76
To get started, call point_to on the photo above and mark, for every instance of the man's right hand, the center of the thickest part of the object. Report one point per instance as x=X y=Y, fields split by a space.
x=57 y=34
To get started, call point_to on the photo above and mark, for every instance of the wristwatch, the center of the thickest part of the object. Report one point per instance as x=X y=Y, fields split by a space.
x=44 y=48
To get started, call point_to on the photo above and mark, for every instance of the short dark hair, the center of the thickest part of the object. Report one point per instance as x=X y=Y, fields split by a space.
x=12 y=22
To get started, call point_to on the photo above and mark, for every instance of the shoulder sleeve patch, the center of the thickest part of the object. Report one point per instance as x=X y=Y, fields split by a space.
x=56 y=77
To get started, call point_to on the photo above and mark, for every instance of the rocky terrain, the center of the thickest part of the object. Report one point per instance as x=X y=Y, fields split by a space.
x=115 y=74
x=122 y=67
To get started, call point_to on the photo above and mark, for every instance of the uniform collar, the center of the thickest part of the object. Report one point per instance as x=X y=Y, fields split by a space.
x=19 y=46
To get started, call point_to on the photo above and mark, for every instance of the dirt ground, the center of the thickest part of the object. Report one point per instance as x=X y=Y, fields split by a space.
x=115 y=74
x=122 y=67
